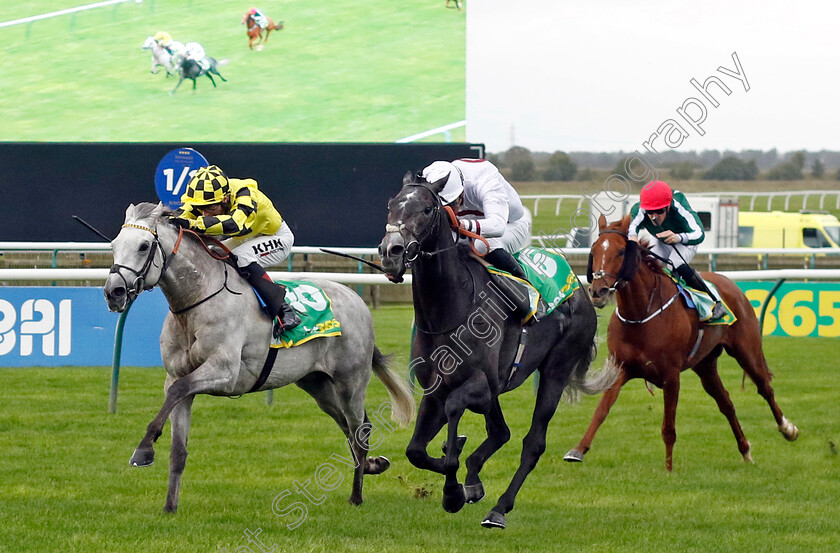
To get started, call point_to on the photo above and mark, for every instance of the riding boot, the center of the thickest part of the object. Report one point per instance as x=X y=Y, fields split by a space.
x=274 y=297
x=501 y=259
x=693 y=279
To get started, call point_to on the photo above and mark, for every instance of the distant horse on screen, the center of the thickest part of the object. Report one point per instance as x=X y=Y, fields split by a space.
x=255 y=32
x=191 y=69
x=161 y=57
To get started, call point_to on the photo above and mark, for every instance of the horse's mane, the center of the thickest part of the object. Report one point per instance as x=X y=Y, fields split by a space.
x=648 y=258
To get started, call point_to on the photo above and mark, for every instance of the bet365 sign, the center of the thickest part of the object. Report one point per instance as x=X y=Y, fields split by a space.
x=797 y=308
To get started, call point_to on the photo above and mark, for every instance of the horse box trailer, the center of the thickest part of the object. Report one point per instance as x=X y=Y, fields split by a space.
x=718 y=215
x=778 y=229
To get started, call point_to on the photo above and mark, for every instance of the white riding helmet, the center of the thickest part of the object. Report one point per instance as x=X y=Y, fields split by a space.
x=454 y=186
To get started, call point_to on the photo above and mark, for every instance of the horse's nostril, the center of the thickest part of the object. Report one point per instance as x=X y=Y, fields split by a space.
x=118 y=292
x=395 y=250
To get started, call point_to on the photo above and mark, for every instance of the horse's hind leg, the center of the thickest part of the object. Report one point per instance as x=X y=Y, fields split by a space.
x=180 y=421
x=710 y=378
x=607 y=400
x=498 y=434
x=751 y=358
x=347 y=409
x=177 y=85
x=533 y=446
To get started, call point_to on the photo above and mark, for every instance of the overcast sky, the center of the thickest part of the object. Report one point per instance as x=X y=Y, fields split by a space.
x=607 y=75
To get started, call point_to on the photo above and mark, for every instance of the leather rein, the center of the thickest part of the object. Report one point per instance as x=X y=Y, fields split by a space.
x=140 y=282
x=620 y=282
x=413 y=248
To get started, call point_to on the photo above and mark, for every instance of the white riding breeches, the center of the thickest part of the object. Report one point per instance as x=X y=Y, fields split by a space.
x=517 y=235
x=670 y=252
x=265 y=250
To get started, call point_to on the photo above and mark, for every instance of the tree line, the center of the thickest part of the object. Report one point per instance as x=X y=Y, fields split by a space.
x=522 y=165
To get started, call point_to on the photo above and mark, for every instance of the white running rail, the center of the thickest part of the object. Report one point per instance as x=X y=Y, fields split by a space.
x=64 y=12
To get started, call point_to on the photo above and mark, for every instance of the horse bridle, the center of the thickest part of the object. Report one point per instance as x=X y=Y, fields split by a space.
x=408 y=258
x=141 y=281
x=619 y=281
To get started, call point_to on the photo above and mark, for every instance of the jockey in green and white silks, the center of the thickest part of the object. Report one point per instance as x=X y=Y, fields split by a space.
x=488 y=206
x=675 y=231
x=259 y=18
x=237 y=211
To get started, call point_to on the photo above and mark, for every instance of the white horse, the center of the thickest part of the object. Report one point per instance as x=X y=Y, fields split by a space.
x=161 y=57
x=215 y=340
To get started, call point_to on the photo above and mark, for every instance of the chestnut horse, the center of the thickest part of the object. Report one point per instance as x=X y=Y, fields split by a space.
x=654 y=337
x=255 y=32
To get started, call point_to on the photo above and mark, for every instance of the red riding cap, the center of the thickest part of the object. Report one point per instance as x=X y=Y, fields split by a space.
x=656 y=195
x=252 y=11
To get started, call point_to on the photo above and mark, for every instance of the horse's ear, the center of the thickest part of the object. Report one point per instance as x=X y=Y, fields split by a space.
x=602 y=222
x=408 y=178
x=438 y=185
x=631 y=261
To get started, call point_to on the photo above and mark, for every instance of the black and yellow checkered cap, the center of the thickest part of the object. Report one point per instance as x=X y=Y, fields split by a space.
x=207 y=186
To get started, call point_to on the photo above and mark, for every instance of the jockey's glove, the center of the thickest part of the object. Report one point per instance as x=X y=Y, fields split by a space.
x=180 y=222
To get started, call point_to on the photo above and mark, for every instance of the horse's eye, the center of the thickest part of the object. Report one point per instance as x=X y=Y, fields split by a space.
x=621 y=252
x=144 y=246
x=427 y=211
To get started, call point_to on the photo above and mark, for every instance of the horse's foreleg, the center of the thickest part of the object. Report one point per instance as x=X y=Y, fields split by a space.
x=209 y=76
x=710 y=378
x=533 y=446
x=474 y=394
x=598 y=418
x=430 y=419
x=144 y=455
x=180 y=421
x=671 y=395
x=498 y=434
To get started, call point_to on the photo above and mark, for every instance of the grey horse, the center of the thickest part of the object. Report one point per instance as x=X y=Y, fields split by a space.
x=215 y=340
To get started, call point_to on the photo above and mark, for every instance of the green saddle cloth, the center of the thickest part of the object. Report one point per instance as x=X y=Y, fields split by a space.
x=549 y=274
x=314 y=308
x=703 y=303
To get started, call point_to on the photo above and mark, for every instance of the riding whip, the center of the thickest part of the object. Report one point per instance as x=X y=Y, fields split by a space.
x=91 y=227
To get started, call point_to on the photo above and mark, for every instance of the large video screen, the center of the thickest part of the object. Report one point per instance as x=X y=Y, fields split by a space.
x=328 y=71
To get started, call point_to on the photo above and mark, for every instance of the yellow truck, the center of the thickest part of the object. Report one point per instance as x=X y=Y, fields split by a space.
x=779 y=229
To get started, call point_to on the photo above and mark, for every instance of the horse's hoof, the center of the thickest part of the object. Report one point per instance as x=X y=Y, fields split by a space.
x=377 y=465
x=459 y=444
x=573 y=456
x=454 y=499
x=474 y=493
x=142 y=457
x=494 y=520
x=788 y=430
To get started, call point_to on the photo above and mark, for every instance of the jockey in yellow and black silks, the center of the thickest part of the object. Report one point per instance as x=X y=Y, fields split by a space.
x=238 y=212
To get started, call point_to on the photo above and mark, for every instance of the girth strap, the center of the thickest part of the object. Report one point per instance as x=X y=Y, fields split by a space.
x=266 y=370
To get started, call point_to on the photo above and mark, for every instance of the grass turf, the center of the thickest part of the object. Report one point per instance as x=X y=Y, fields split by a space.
x=65 y=483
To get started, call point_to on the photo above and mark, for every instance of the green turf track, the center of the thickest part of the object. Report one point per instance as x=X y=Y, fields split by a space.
x=65 y=483
x=341 y=70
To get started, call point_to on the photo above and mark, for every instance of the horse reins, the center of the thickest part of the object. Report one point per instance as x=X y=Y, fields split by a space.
x=621 y=282
x=134 y=291
x=416 y=241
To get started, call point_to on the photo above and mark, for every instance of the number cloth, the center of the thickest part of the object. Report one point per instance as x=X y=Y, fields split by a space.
x=315 y=310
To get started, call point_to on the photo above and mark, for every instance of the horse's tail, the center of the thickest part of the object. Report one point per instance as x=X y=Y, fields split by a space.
x=591 y=383
x=403 y=407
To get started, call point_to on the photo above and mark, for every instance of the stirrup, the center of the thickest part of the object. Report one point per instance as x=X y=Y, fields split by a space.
x=718 y=311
